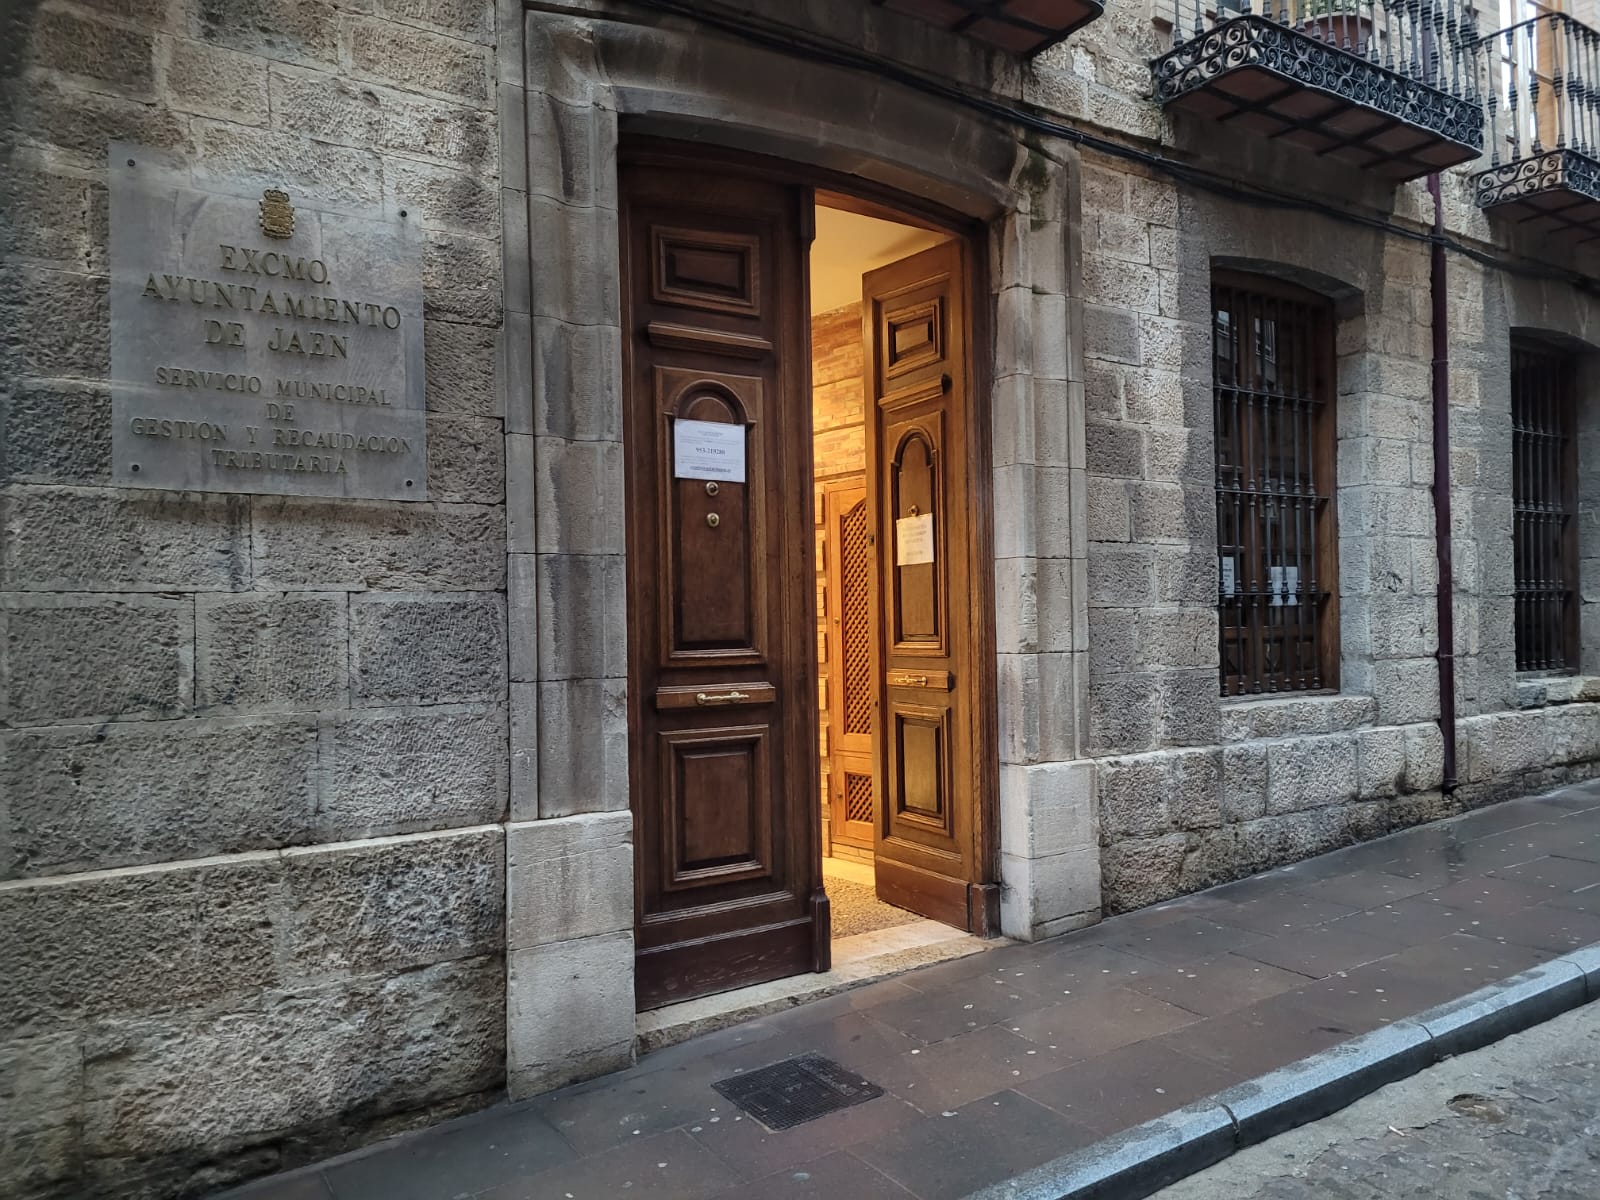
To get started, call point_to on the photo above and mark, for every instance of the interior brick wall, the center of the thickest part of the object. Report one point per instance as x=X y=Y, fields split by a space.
x=839 y=432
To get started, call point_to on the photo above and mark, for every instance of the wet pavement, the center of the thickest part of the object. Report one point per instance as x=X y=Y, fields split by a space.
x=997 y=1062
x=1519 y=1120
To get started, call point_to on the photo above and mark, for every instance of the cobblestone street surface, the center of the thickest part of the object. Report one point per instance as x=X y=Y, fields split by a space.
x=1519 y=1120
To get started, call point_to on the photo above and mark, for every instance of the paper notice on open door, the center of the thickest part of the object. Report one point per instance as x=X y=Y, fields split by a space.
x=708 y=450
x=913 y=540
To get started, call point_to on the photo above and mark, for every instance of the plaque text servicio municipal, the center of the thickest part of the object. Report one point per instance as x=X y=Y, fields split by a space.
x=262 y=345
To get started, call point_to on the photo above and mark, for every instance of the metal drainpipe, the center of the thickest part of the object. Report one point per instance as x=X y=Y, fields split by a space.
x=1441 y=488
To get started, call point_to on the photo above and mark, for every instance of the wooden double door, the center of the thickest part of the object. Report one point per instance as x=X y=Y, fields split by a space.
x=720 y=581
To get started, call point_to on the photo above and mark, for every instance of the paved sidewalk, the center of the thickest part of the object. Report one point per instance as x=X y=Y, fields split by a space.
x=995 y=1063
x=1513 y=1121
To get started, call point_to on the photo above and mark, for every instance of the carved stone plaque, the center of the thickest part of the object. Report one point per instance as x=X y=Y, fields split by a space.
x=262 y=341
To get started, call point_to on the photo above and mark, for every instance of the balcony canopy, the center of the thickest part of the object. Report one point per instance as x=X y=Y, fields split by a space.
x=1388 y=86
x=1022 y=27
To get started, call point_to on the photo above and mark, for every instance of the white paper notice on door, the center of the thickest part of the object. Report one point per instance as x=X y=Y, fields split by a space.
x=708 y=450
x=913 y=540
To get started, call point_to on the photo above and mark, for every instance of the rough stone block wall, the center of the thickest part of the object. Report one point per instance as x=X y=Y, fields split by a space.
x=1292 y=778
x=253 y=760
x=1150 y=502
x=1195 y=789
x=1480 y=468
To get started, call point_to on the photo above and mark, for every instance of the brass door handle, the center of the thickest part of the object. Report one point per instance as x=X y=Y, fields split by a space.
x=706 y=698
x=911 y=681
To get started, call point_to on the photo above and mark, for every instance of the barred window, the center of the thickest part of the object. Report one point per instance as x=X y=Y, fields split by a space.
x=1544 y=503
x=1273 y=386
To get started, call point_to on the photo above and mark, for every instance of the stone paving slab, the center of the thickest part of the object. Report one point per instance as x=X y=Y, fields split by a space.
x=997 y=1063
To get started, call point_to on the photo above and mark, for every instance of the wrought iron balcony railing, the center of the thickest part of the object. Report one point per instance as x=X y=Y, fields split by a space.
x=1544 y=125
x=1387 y=85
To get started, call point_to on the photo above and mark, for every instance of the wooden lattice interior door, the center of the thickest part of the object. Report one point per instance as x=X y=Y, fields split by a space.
x=852 y=600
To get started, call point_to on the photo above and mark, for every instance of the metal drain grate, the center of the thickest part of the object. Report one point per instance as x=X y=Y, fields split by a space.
x=797 y=1090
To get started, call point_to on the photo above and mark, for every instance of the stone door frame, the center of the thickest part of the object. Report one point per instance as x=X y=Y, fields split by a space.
x=577 y=81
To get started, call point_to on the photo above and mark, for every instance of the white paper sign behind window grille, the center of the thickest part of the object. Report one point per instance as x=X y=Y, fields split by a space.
x=1285 y=586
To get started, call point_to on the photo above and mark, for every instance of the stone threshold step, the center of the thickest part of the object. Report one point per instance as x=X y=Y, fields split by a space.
x=859 y=959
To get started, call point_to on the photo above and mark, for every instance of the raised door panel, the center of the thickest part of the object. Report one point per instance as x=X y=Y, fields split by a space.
x=717 y=784
x=919 y=756
x=714 y=530
x=915 y=337
x=855 y=800
x=917 y=590
x=708 y=270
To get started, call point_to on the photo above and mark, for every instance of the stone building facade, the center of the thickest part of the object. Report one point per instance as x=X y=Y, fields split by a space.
x=315 y=815
x=254 y=766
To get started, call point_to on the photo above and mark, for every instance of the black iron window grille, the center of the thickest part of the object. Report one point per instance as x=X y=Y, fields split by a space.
x=1277 y=553
x=1544 y=503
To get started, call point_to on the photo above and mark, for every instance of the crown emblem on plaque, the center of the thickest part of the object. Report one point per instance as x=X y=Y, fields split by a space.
x=277 y=214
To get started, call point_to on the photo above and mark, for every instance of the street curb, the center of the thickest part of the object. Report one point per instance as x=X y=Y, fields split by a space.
x=1148 y=1157
x=1312 y=1088
x=1519 y=1003
x=1136 y=1162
